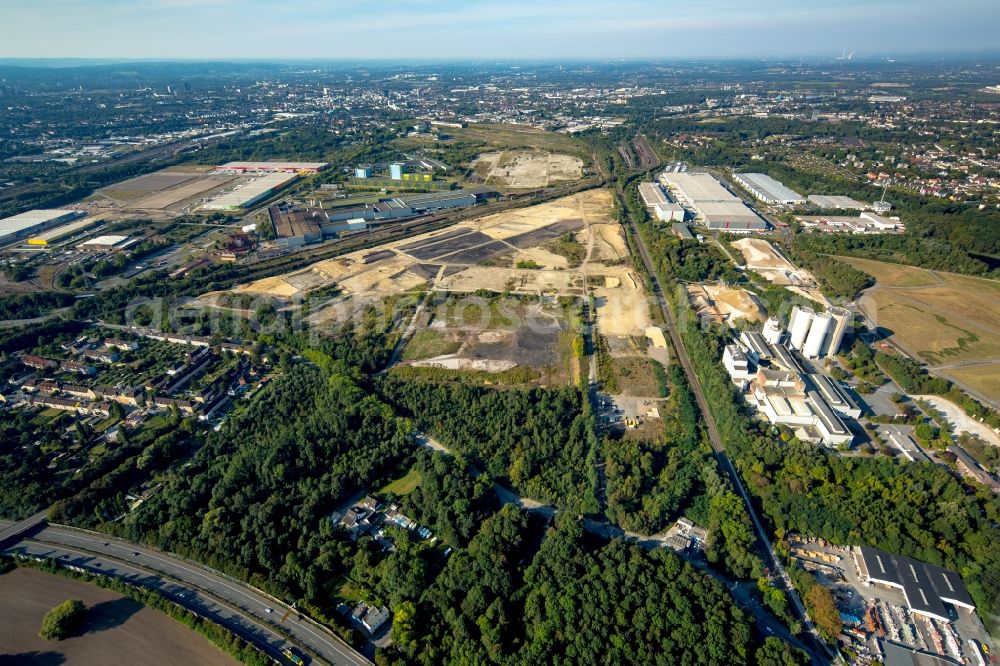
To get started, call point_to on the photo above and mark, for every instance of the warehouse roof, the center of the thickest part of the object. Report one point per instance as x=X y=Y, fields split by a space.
x=768 y=188
x=33 y=218
x=927 y=587
x=698 y=187
x=272 y=166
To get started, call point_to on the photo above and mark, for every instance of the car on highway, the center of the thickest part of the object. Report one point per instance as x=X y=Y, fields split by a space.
x=268 y=610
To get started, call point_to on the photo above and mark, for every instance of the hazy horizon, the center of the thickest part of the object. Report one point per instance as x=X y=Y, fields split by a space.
x=448 y=30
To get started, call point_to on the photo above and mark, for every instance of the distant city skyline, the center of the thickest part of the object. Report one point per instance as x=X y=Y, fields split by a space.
x=516 y=29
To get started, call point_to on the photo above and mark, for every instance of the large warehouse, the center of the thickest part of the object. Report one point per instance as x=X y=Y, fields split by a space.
x=13 y=229
x=715 y=207
x=927 y=587
x=767 y=189
x=271 y=167
x=250 y=192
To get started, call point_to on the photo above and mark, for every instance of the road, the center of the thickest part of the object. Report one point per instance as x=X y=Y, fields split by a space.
x=820 y=653
x=245 y=609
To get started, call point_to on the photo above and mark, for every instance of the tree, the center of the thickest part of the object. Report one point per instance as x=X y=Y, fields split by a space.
x=59 y=622
x=824 y=611
x=776 y=652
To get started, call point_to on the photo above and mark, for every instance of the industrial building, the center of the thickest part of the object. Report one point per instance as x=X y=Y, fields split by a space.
x=926 y=587
x=107 y=243
x=249 y=193
x=906 y=445
x=396 y=170
x=865 y=223
x=62 y=231
x=968 y=466
x=436 y=200
x=652 y=194
x=776 y=385
x=818 y=335
x=767 y=189
x=835 y=202
x=712 y=204
x=25 y=225
x=271 y=167
x=363 y=171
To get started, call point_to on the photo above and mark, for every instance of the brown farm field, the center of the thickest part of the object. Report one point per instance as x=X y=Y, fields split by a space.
x=117 y=630
x=949 y=321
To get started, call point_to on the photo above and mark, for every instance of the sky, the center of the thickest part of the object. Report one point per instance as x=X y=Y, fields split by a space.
x=507 y=29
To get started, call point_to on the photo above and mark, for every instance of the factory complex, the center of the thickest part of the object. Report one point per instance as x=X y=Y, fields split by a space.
x=712 y=204
x=782 y=389
x=295 y=226
x=767 y=189
x=32 y=222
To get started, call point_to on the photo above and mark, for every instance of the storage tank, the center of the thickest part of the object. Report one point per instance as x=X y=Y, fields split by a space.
x=841 y=320
x=772 y=331
x=821 y=325
x=798 y=325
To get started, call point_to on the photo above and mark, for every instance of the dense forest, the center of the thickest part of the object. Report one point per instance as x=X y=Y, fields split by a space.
x=503 y=602
x=254 y=500
x=538 y=440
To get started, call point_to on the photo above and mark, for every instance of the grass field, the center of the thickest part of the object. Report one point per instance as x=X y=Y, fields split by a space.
x=403 y=485
x=949 y=321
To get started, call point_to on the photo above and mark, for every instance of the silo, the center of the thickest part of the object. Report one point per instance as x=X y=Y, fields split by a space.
x=798 y=325
x=821 y=325
x=841 y=321
x=772 y=331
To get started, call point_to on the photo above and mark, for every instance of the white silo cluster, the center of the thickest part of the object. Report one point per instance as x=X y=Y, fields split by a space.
x=817 y=334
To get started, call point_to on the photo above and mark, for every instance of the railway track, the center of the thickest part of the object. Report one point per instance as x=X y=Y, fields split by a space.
x=819 y=653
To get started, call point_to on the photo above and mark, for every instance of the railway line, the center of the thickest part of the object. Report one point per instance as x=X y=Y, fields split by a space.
x=819 y=652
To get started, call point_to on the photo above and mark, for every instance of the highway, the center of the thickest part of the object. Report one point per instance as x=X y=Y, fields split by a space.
x=820 y=654
x=237 y=606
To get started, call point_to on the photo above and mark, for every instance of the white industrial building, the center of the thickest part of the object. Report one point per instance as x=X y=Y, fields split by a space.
x=776 y=385
x=836 y=202
x=767 y=189
x=250 y=192
x=714 y=206
x=18 y=227
x=271 y=167
x=652 y=194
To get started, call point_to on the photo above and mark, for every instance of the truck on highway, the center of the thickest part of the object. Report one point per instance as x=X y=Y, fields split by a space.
x=292 y=657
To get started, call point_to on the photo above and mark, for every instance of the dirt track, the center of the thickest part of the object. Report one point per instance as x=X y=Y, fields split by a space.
x=118 y=630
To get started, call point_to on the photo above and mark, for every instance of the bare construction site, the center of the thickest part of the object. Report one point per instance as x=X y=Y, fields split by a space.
x=543 y=257
x=527 y=168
